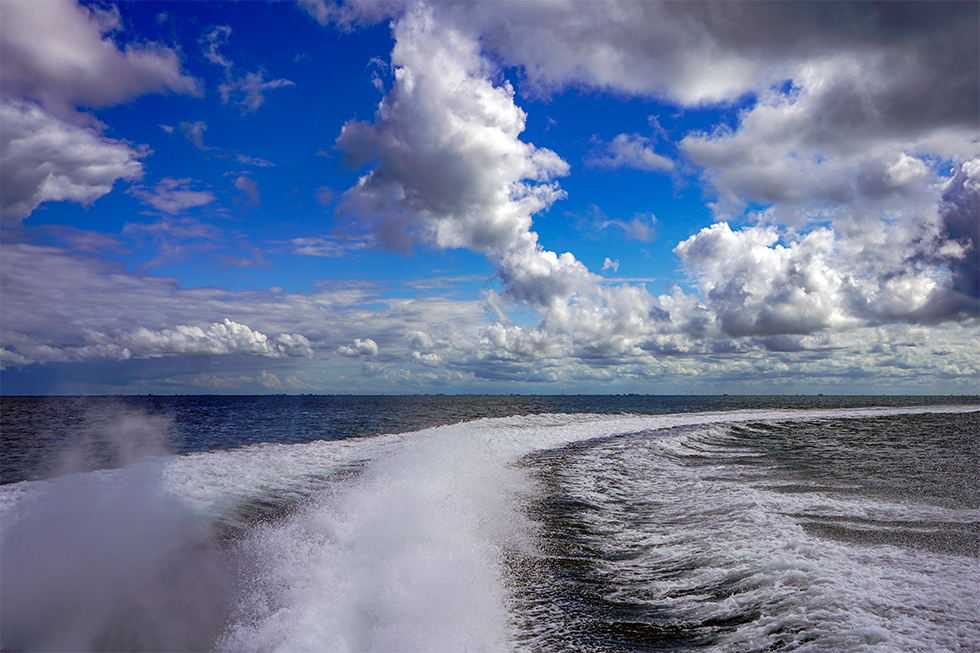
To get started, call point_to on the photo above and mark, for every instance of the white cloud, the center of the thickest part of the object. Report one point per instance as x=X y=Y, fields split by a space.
x=610 y=264
x=452 y=170
x=346 y=15
x=446 y=140
x=631 y=151
x=758 y=287
x=214 y=40
x=46 y=159
x=59 y=305
x=57 y=53
x=754 y=285
x=358 y=348
x=225 y=337
x=173 y=196
x=54 y=57
x=326 y=247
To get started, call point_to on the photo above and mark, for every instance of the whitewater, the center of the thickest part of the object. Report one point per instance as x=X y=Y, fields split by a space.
x=762 y=529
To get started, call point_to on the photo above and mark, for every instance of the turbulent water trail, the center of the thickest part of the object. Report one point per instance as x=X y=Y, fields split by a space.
x=542 y=532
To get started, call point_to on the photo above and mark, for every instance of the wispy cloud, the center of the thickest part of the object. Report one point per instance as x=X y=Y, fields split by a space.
x=248 y=91
x=173 y=196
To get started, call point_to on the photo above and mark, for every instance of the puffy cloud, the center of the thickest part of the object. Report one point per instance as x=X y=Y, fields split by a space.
x=775 y=158
x=753 y=285
x=220 y=338
x=631 y=151
x=758 y=287
x=58 y=305
x=173 y=196
x=57 y=54
x=358 y=348
x=226 y=337
x=704 y=52
x=450 y=167
x=47 y=159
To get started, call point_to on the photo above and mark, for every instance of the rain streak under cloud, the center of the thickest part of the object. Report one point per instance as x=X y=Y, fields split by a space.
x=496 y=197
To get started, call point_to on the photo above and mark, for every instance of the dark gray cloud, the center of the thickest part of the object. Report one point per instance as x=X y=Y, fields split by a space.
x=960 y=214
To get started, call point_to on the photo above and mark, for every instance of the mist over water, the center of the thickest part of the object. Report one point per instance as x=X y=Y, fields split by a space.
x=220 y=524
x=103 y=558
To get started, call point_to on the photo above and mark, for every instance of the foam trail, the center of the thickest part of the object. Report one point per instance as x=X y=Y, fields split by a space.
x=406 y=554
x=409 y=558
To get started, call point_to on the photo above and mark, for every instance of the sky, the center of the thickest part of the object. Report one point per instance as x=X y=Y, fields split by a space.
x=489 y=197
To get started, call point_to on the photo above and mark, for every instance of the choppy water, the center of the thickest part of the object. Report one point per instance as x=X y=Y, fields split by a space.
x=490 y=524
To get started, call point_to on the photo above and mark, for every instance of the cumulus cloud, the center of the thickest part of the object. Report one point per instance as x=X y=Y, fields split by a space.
x=47 y=159
x=59 y=55
x=752 y=284
x=448 y=168
x=358 y=348
x=56 y=56
x=758 y=287
x=451 y=169
x=173 y=196
x=960 y=214
x=59 y=305
x=225 y=337
x=630 y=151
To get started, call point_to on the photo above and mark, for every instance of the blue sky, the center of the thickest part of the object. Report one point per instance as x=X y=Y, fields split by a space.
x=525 y=197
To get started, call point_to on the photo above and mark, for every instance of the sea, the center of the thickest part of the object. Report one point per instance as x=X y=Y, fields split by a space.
x=490 y=523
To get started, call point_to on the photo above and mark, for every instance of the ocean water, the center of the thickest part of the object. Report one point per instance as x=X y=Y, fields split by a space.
x=431 y=523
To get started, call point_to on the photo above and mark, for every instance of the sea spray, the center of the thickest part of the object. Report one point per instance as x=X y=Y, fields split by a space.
x=107 y=560
x=407 y=558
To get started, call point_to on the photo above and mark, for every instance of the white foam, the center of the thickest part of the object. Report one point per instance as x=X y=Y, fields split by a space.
x=407 y=558
x=407 y=554
x=810 y=593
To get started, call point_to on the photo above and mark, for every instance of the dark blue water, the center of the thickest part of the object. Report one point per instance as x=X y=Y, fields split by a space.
x=490 y=523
